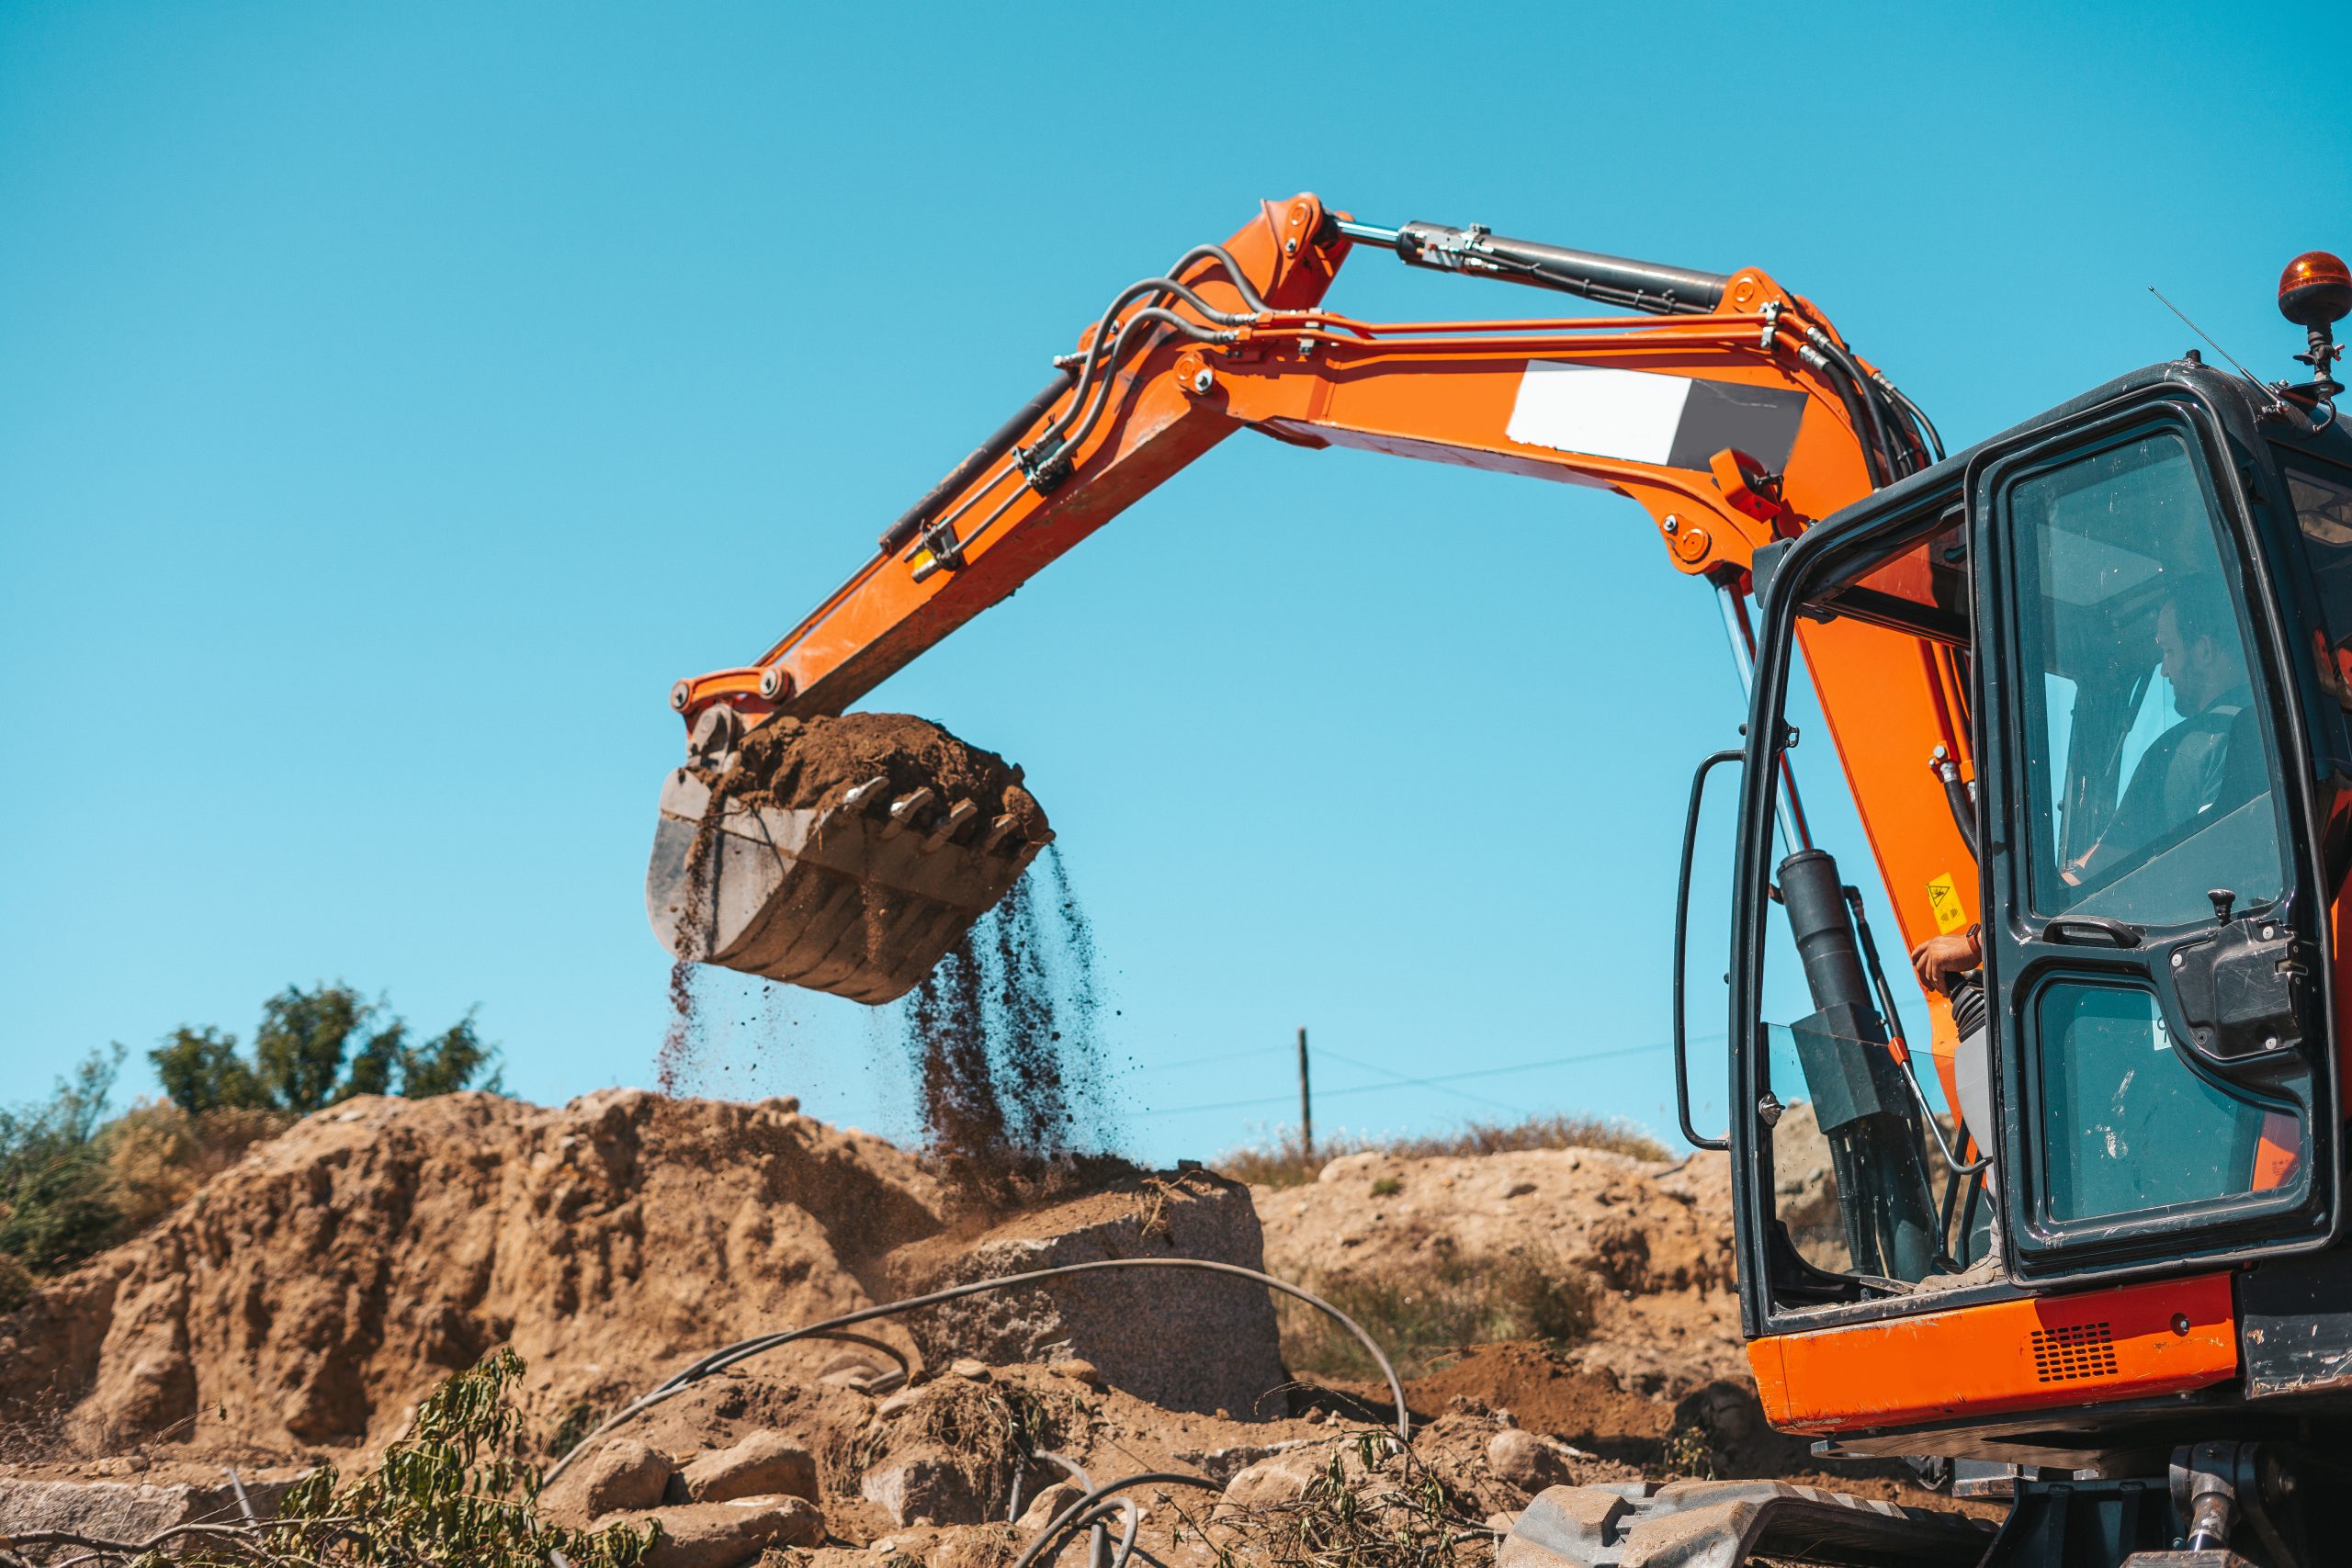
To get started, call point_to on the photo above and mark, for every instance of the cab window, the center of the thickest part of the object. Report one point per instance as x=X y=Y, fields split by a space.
x=2147 y=783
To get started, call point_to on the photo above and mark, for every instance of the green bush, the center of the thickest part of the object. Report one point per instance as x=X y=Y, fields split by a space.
x=56 y=1206
x=73 y=1182
x=453 y=1492
x=315 y=1047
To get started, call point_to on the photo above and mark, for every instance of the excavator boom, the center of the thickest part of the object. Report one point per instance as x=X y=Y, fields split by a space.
x=1727 y=407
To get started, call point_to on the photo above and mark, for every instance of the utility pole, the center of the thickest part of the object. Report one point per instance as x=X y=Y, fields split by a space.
x=1305 y=1101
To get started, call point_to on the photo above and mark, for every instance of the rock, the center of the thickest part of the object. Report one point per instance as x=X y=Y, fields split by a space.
x=1223 y=1464
x=1527 y=1462
x=1188 y=1341
x=763 y=1464
x=122 y=1510
x=924 y=1482
x=975 y=1371
x=1284 y=1478
x=1078 y=1368
x=620 y=1473
x=1047 y=1503
x=850 y=1369
x=726 y=1535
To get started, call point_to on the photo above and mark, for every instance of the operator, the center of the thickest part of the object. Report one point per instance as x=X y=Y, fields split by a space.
x=2208 y=760
x=2211 y=759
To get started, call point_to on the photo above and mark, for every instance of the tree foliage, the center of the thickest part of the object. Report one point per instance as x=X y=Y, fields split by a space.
x=314 y=1048
x=73 y=1182
x=55 y=1205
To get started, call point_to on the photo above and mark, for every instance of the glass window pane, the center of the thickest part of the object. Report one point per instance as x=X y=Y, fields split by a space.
x=2323 y=511
x=2147 y=766
x=2126 y=1124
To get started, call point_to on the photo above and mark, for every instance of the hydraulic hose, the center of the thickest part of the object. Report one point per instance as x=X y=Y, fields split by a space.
x=745 y=1349
x=1875 y=436
x=1101 y=401
x=1164 y=286
x=1865 y=429
x=1002 y=440
x=1919 y=415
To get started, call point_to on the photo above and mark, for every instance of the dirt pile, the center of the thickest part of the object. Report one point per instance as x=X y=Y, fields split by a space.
x=1647 y=1242
x=307 y=1296
x=302 y=1303
x=302 y=1300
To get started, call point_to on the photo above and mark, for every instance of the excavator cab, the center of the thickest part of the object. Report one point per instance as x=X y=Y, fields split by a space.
x=2114 y=1234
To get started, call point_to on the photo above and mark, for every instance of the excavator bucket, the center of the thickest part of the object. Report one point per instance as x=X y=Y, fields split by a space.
x=860 y=894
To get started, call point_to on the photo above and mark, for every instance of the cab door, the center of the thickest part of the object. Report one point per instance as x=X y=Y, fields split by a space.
x=2155 y=932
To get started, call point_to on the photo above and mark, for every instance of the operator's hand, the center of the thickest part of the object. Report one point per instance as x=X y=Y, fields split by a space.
x=1940 y=961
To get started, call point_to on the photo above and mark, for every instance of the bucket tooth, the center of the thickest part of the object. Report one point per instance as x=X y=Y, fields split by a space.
x=849 y=899
x=904 y=809
x=960 y=813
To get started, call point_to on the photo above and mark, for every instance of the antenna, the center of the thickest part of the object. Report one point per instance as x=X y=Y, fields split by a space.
x=2268 y=389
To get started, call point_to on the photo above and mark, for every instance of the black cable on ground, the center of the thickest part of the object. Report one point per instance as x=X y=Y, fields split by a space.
x=743 y=1349
x=1092 y=1500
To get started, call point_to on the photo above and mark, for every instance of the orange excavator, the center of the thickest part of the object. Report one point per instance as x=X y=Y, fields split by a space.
x=2089 y=686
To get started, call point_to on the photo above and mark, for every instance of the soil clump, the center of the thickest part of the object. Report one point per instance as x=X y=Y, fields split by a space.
x=793 y=763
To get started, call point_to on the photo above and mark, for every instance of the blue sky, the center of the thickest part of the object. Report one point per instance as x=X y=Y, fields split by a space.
x=395 y=400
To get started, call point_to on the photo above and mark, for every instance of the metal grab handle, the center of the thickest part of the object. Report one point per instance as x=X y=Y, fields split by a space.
x=1682 y=944
x=2073 y=928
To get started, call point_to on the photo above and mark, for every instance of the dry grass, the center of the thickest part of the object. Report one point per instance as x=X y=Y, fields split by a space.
x=1442 y=1307
x=1283 y=1164
x=1374 y=1506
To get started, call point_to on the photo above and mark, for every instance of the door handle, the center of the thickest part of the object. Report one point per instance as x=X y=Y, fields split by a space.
x=2096 y=929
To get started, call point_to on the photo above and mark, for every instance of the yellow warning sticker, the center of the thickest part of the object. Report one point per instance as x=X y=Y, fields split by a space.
x=1943 y=897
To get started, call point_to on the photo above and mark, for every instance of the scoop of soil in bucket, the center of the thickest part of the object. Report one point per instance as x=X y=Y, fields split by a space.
x=845 y=855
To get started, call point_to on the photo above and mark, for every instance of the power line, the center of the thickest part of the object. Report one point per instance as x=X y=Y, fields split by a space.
x=1199 y=1061
x=1401 y=1082
x=1436 y=1082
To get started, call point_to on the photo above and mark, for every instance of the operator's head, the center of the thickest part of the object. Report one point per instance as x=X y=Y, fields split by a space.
x=2201 y=666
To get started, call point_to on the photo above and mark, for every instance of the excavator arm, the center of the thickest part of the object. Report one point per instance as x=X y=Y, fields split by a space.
x=1722 y=417
x=1727 y=407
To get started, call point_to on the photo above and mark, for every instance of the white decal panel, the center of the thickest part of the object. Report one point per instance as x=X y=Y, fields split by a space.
x=1628 y=414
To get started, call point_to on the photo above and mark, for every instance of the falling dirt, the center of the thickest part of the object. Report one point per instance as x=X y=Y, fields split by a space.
x=795 y=762
x=1002 y=1036
x=1007 y=1057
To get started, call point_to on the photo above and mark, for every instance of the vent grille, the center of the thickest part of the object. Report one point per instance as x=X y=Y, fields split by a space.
x=2079 y=1350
